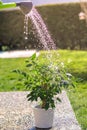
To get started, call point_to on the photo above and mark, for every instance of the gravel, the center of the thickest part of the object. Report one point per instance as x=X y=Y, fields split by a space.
x=16 y=113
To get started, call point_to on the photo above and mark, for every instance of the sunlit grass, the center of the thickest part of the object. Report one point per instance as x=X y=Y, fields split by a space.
x=77 y=64
x=78 y=98
x=8 y=79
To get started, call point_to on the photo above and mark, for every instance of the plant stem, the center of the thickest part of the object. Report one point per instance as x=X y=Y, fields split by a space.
x=43 y=104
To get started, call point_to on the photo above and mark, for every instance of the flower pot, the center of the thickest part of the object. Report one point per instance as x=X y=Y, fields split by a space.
x=43 y=118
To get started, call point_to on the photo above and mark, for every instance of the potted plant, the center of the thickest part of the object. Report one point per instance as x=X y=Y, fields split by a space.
x=44 y=80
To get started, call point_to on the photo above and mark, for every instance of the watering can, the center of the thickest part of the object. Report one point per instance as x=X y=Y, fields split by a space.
x=24 y=6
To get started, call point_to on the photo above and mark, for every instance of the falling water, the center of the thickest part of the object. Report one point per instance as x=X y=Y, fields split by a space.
x=26 y=27
x=42 y=31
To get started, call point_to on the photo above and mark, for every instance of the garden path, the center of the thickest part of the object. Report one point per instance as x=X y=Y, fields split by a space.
x=17 y=53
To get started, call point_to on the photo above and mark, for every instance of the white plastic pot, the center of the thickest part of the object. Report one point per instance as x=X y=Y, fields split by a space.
x=43 y=118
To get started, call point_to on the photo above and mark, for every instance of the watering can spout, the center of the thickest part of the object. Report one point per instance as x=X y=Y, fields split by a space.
x=25 y=6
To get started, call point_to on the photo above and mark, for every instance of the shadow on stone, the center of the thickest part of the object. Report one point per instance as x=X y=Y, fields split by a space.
x=35 y=128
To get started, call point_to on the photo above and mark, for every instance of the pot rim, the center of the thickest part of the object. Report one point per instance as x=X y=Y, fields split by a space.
x=38 y=107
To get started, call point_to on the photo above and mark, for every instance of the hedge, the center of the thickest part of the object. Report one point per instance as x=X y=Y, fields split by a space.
x=62 y=21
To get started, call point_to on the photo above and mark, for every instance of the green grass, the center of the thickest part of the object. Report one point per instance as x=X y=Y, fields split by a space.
x=8 y=79
x=76 y=61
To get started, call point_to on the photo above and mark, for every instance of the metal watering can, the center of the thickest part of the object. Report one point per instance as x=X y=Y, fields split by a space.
x=24 y=6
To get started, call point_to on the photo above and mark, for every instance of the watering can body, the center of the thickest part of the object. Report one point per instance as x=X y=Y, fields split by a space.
x=25 y=6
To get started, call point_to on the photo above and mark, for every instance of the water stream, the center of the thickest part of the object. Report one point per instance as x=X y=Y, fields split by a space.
x=40 y=28
x=26 y=27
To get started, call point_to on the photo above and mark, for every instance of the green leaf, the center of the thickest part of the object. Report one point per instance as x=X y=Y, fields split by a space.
x=28 y=95
x=29 y=65
x=33 y=56
x=46 y=106
x=24 y=74
x=59 y=99
x=15 y=71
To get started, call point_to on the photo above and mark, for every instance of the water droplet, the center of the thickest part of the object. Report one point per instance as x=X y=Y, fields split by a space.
x=26 y=33
x=26 y=27
x=26 y=38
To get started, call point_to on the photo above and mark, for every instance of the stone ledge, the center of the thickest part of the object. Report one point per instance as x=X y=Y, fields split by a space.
x=16 y=113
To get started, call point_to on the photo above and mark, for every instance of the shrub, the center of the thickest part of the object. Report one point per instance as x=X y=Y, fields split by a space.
x=62 y=21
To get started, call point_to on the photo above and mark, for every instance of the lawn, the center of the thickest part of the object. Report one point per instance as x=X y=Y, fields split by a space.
x=76 y=62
